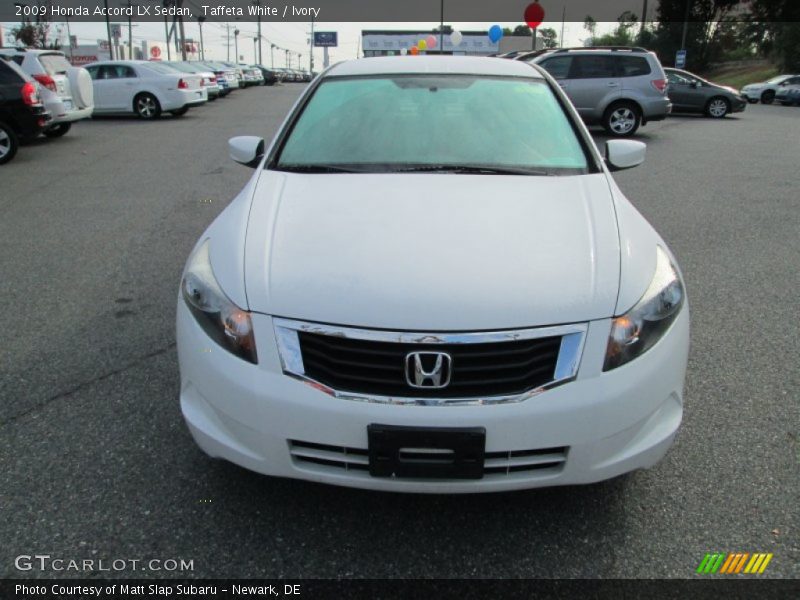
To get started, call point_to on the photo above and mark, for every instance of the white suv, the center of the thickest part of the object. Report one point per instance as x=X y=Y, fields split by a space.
x=66 y=91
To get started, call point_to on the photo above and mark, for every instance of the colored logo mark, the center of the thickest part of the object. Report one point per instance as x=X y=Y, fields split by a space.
x=732 y=563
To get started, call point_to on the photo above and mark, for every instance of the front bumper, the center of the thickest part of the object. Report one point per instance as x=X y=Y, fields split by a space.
x=606 y=423
x=739 y=105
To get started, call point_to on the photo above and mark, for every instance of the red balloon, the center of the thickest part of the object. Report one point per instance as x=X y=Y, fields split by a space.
x=534 y=15
x=414 y=50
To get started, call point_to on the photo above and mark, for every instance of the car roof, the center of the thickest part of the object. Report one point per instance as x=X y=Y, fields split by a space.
x=464 y=65
x=12 y=50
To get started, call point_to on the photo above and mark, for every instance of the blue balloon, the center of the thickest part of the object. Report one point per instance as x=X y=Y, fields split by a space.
x=495 y=33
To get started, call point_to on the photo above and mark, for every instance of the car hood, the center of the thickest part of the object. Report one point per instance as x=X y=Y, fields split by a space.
x=432 y=252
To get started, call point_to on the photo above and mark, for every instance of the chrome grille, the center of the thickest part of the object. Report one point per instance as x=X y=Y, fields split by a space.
x=481 y=367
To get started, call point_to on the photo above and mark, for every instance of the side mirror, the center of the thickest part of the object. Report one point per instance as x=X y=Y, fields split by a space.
x=246 y=149
x=624 y=154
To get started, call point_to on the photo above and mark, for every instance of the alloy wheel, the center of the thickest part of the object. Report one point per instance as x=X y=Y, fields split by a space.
x=5 y=143
x=718 y=108
x=622 y=120
x=146 y=107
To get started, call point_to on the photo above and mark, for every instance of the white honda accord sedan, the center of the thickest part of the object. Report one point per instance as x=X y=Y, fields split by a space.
x=432 y=283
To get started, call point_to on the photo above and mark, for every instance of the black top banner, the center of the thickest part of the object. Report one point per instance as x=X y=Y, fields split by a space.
x=501 y=11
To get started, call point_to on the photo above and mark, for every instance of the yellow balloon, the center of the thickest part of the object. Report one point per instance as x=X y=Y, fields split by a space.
x=422 y=45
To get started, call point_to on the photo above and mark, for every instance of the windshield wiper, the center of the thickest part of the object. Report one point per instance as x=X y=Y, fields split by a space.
x=320 y=168
x=472 y=169
x=423 y=168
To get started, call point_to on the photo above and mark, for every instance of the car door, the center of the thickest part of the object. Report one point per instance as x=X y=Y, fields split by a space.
x=593 y=84
x=681 y=93
x=102 y=85
x=124 y=88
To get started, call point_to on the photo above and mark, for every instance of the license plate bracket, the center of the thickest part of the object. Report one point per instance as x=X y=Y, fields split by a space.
x=426 y=452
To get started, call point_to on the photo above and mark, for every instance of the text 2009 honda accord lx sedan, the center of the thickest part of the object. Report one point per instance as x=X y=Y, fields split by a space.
x=432 y=283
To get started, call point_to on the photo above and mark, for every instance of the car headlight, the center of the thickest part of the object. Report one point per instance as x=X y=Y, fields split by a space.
x=641 y=327
x=223 y=321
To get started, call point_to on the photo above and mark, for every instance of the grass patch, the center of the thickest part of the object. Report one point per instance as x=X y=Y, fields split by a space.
x=738 y=77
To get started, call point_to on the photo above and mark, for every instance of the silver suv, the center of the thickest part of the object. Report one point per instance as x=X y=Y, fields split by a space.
x=618 y=87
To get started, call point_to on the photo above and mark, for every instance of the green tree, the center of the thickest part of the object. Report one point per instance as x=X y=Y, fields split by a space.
x=549 y=37
x=776 y=29
x=704 y=15
x=590 y=25
x=522 y=30
x=623 y=35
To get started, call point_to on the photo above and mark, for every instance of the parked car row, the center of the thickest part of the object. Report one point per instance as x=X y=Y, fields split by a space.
x=622 y=88
x=42 y=93
x=285 y=74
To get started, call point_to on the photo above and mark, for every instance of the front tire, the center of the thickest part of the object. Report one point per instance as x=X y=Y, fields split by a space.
x=58 y=130
x=717 y=107
x=767 y=97
x=180 y=112
x=146 y=106
x=622 y=120
x=9 y=143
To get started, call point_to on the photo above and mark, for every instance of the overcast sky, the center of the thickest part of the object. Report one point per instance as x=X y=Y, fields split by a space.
x=291 y=36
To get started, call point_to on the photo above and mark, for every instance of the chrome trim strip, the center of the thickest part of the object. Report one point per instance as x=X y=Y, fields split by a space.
x=569 y=356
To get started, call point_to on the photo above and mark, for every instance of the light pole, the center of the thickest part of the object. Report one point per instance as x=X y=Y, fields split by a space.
x=166 y=31
x=311 y=49
x=258 y=16
x=202 y=48
x=255 y=51
x=108 y=32
x=236 y=45
x=441 y=27
x=644 y=20
x=287 y=59
x=69 y=37
x=271 y=56
x=685 y=24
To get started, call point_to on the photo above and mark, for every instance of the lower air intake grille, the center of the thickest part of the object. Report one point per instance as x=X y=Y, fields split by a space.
x=544 y=461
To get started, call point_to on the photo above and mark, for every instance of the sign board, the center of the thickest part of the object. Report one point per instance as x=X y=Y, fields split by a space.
x=102 y=45
x=116 y=31
x=325 y=39
x=155 y=53
x=470 y=44
x=73 y=41
x=680 y=59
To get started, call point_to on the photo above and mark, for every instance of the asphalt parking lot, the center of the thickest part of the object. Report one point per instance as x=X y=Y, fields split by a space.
x=97 y=463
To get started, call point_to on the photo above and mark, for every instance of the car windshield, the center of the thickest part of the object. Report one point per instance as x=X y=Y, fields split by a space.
x=456 y=123
x=161 y=68
x=54 y=64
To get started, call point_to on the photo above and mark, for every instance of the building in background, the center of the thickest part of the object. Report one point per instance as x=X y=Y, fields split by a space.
x=390 y=43
x=473 y=43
